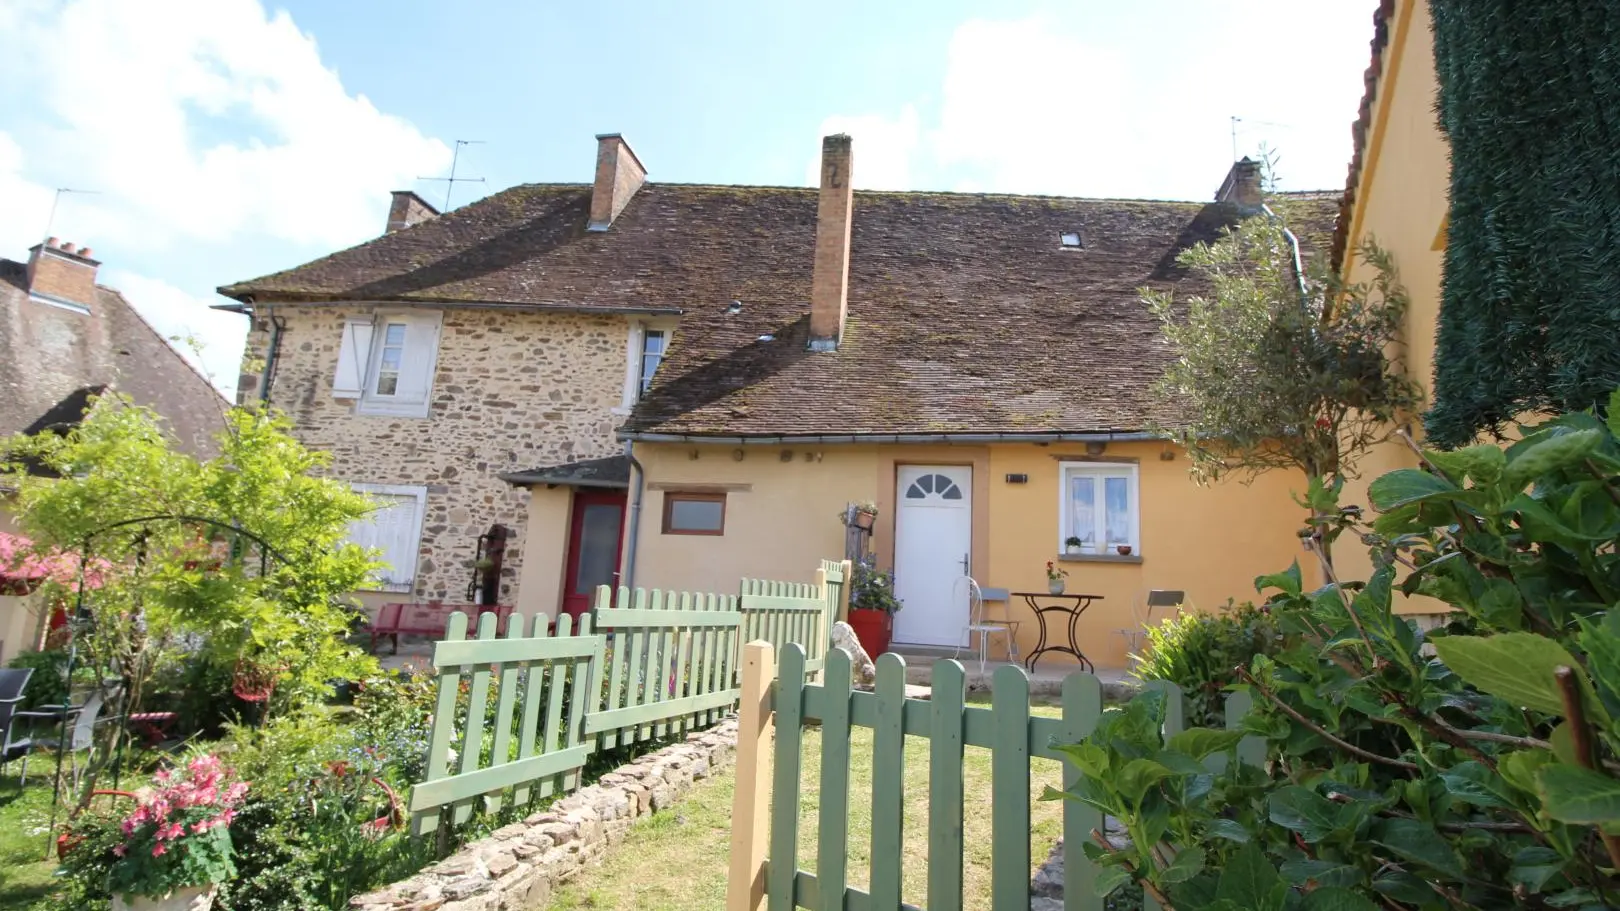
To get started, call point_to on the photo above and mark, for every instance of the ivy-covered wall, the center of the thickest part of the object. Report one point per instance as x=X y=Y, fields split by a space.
x=1530 y=313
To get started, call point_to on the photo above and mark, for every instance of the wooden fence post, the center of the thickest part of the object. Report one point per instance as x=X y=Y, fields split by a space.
x=751 y=804
x=843 y=591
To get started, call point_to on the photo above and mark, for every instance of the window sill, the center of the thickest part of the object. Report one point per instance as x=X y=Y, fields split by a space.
x=1099 y=558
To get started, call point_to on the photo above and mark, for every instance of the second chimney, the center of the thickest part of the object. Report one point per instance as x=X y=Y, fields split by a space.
x=408 y=209
x=1242 y=186
x=619 y=175
x=829 y=282
x=62 y=275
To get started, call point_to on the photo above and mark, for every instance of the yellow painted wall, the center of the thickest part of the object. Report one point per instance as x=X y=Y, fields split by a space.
x=1209 y=541
x=781 y=518
x=1401 y=202
x=545 y=549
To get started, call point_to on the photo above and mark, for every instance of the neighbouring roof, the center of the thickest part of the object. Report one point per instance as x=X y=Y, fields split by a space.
x=613 y=471
x=1361 y=129
x=53 y=360
x=966 y=312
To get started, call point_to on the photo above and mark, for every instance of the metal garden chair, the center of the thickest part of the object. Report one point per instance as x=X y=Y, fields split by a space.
x=1166 y=598
x=13 y=681
x=984 y=627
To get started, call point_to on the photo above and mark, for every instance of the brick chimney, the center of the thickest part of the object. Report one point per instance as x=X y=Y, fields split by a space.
x=829 y=282
x=408 y=209
x=62 y=274
x=1242 y=186
x=619 y=175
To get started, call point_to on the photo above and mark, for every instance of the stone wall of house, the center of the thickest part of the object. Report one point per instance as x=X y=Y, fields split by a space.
x=511 y=391
x=520 y=865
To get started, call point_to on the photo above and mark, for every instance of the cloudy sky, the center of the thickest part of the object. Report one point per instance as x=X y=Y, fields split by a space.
x=224 y=139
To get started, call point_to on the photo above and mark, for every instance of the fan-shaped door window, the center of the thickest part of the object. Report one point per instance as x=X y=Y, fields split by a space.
x=933 y=486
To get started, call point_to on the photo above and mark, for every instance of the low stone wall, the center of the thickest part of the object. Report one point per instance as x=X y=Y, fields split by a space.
x=519 y=865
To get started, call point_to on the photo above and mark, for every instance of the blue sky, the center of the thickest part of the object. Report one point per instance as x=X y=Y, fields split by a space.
x=229 y=138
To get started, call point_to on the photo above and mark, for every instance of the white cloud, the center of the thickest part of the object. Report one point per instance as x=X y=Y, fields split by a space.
x=219 y=144
x=884 y=148
x=1136 y=101
x=124 y=93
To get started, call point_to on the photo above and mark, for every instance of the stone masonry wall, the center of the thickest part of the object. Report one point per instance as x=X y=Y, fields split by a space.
x=512 y=391
x=520 y=865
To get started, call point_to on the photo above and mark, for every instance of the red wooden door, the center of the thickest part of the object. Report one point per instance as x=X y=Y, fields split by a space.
x=595 y=535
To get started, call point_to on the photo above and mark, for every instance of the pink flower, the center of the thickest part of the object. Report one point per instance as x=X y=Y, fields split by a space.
x=160 y=849
x=119 y=850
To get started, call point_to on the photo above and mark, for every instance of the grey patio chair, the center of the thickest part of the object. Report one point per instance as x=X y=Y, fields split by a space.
x=1164 y=598
x=85 y=718
x=984 y=627
x=13 y=681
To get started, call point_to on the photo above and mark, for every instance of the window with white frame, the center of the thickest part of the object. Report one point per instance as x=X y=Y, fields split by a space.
x=648 y=344
x=387 y=363
x=1101 y=506
x=395 y=529
x=654 y=342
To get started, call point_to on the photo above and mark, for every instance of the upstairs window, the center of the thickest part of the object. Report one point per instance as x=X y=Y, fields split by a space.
x=654 y=342
x=647 y=345
x=387 y=365
x=1070 y=240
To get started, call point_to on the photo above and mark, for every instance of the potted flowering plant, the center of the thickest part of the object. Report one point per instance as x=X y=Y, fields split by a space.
x=872 y=606
x=865 y=514
x=176 y=846
x=1054 y=578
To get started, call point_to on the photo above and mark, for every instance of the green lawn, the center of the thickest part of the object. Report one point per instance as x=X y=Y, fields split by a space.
x=676 y=859
x=25 y=816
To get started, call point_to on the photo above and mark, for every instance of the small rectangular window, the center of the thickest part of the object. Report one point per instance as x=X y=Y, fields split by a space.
x=1101 y=508
x=1069 y=238
x=653 y=345
x=694 y=513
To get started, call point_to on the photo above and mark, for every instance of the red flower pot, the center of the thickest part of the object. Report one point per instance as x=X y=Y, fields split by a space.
x=873 y=628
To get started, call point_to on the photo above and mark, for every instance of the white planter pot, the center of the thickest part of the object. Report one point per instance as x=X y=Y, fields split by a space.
x=191 y=898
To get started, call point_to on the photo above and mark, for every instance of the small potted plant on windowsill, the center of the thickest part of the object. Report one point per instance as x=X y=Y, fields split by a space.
x=1054 y=578
x=176 y=848
x=1072 y=545
x=872 y=606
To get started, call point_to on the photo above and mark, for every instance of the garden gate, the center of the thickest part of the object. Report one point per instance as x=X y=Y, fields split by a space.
x=777 y=706
x=523 y=711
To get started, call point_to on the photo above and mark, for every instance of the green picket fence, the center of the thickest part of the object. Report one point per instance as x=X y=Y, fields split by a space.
x=642 y=665
x=673 y=665
x=784 y=612
x=765 y=870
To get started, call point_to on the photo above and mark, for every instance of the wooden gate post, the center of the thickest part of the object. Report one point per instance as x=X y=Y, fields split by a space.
x=751 y=804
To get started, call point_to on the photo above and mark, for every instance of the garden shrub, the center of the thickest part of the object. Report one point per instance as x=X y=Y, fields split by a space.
x=1197 y=652
x=1479 y=773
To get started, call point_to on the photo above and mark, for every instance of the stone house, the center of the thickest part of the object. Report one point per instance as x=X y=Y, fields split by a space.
x=673 y=386
x=454 y=350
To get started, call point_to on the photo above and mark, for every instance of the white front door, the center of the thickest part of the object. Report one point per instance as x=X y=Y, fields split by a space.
x=933 y=534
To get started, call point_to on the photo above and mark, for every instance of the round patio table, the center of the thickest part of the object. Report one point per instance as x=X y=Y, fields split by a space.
x=1069 y=606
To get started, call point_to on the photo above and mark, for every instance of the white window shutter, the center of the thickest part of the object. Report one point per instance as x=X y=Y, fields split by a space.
x=396 y=527
x=416 y=373
x=353 y=353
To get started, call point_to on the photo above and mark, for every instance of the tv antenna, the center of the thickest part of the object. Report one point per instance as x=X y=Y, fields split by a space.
x=57 y=200
x=1265 y=123
x=451 y=181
